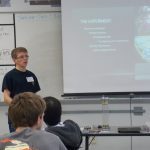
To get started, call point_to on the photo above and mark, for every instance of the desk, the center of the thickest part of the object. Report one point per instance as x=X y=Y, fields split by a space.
x=111 y=132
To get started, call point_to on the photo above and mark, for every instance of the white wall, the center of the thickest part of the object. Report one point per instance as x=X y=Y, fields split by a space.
x=46 y=62
x=40 y=33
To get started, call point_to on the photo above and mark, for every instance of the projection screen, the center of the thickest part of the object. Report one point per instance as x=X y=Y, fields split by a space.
x=106 y=46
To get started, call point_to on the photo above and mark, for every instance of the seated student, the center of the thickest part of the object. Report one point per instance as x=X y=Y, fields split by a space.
x=68 y=131
x=26 y=113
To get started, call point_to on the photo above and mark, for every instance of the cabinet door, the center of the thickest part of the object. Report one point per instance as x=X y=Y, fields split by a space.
x=141 y=143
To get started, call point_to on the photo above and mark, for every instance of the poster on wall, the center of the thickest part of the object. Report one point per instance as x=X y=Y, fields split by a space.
x=29 y=5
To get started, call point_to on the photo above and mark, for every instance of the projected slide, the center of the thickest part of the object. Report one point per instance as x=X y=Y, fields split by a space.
x=106 y=46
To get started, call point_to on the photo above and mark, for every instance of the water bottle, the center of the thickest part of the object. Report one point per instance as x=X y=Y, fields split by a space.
x=105 y=113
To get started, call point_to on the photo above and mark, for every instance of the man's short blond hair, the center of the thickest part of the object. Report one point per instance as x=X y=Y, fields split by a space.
x=17 y=50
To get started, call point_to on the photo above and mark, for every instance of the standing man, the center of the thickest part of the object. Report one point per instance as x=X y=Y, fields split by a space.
x=19 y=79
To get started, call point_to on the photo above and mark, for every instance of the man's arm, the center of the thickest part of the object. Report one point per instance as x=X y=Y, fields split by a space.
x=7 y=98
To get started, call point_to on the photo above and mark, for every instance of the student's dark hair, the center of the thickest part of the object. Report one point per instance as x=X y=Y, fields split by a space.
x=25 y=109
x=52 y=115
x=17 y=50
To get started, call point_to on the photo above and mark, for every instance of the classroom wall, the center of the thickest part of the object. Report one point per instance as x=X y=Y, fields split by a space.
x=40 y=33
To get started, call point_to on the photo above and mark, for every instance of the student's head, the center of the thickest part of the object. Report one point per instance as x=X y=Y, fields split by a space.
x=52 y=115
x=20 y=56
x=26 y=110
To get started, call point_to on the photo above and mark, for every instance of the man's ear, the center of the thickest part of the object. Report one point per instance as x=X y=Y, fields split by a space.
x=14 y=60
x=41 y=116
x=39 y=121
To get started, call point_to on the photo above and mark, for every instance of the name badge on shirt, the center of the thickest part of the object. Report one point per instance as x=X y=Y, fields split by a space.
x=30 y=79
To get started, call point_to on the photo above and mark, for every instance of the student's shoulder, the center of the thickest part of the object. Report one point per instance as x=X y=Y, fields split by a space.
x=70 y=122
x=44 y=140
x=43 y=134
x=48 y=139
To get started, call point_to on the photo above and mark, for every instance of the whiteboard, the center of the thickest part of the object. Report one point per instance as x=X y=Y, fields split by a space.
x=3 y=71
x=6 y=43
x=40 y=33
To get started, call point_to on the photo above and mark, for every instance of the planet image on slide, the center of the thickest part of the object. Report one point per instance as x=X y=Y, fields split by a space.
x=142 y=39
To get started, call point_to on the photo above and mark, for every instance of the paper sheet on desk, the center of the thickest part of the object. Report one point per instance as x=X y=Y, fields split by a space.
x=105 y=131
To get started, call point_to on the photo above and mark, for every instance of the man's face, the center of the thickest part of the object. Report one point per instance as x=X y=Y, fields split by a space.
x=21 y=60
